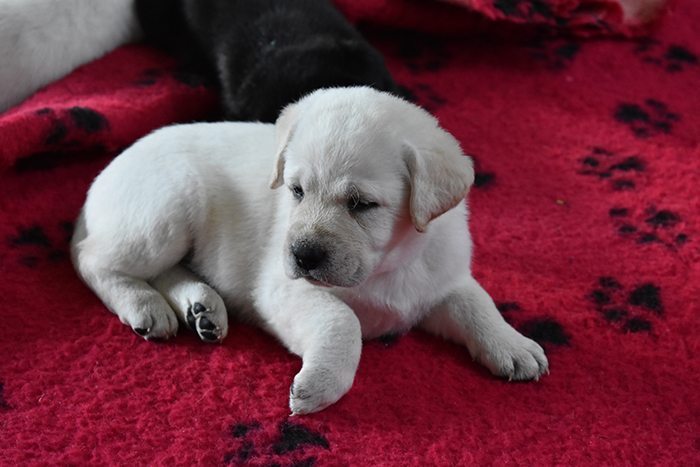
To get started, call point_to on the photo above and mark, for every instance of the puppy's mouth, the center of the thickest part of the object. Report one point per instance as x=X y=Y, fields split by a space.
x=320 y=283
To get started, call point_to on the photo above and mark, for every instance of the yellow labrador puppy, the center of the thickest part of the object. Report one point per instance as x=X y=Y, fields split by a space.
x=368 y=236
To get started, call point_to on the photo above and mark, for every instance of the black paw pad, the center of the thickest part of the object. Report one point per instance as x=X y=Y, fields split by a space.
x=208 y=336
x=142 y=331
x=198 y=308
x=191 y=321
x=205 y=324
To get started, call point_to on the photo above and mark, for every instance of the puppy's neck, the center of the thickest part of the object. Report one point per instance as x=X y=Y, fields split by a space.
x=405 y=248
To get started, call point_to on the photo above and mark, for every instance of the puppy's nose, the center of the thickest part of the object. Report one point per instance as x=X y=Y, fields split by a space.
x=307 y=255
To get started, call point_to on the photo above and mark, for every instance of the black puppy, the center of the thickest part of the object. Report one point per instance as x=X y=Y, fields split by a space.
x=264 y=54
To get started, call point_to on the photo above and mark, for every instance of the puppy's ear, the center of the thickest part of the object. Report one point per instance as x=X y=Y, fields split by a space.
x=440 y=176
x=284 y=127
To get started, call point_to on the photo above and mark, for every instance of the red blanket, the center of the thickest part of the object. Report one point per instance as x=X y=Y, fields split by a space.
x=586 y=229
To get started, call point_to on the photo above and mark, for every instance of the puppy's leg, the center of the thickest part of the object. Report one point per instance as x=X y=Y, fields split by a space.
x=117 y=269
x=469 y=317
x=196 y=304
x=325 y=332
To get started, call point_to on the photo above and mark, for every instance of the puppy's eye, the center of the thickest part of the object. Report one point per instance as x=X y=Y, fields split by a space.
x=298 y=192
x=358 y=205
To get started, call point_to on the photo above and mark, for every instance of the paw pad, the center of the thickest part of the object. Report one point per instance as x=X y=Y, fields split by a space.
x=200 y=324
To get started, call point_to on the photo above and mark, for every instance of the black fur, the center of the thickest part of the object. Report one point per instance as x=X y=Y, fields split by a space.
x=264 y=54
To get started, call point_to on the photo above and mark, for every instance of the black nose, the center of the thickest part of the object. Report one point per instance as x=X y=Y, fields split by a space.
x=307 y=255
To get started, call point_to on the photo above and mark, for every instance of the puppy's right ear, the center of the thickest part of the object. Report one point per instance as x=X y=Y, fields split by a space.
x=284 y=127
x=440 y=174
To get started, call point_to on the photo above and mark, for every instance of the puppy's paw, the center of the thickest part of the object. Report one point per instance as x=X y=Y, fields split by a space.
x=197 y=305
x=514 y=356
x=208 y=319
x=152 y=320
x=315 y=389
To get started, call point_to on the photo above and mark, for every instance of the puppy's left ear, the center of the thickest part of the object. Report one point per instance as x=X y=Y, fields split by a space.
x=440 y=175
x=284 y=127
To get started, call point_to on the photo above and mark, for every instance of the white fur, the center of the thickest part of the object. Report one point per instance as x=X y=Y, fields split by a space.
x=199 y=190
x=43 y=40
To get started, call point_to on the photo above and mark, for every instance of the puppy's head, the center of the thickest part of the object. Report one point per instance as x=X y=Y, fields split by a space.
x=362 y=169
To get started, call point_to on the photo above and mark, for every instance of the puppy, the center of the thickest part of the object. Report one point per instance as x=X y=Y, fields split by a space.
x=364 y=234
x=43 y=40
x=264 y=54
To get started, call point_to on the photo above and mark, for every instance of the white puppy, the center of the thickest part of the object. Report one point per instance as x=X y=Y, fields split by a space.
x=43 y=40
x=369 y=237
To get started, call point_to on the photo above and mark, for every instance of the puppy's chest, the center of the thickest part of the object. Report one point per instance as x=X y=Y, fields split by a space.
x=385 y=311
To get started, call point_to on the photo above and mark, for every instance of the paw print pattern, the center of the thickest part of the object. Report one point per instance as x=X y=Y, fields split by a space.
x=672 y=57
x=291 y=442
x=483 y=179
x=388 y=340
x=621 y=171
x=3 y=403
x=555 y=54
x=83 y=118
x=422 y=53
x=543 y=329
x=36 y=246
x=428 y=98
x=524 y=9
x=630 y=311
x=648 y=119
x=651 y=226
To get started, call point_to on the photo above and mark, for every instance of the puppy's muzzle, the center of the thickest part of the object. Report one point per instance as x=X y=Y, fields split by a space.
x=308 y=255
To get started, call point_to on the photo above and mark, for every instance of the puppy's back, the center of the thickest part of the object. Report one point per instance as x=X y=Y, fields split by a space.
x=265 y=54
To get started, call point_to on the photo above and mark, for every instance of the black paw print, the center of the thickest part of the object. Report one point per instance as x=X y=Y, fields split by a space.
x=555 y=54
x=422 y=53
x=388 y=340
x=84 y=119
x=3 y=403
x=148 y=77
x=35 y=244
x=291 y=442
x=631 y=311
x=651 y=226
x=482 y=178
x=525 y=9
x=425 y=96
x=543 y=329
x=606 y=165
x=648 y=119
x=672 y=58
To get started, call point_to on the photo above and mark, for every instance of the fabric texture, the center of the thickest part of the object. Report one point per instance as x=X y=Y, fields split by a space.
x=585 y=221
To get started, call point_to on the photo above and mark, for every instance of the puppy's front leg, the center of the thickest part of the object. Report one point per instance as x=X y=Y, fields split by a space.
x=325 y=332
x=468 y=316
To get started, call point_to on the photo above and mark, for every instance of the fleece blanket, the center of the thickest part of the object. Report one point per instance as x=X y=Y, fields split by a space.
x=585 y=221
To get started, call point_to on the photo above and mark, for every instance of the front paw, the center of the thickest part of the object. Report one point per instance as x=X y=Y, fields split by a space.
x=315 y=389
x=512 y=355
